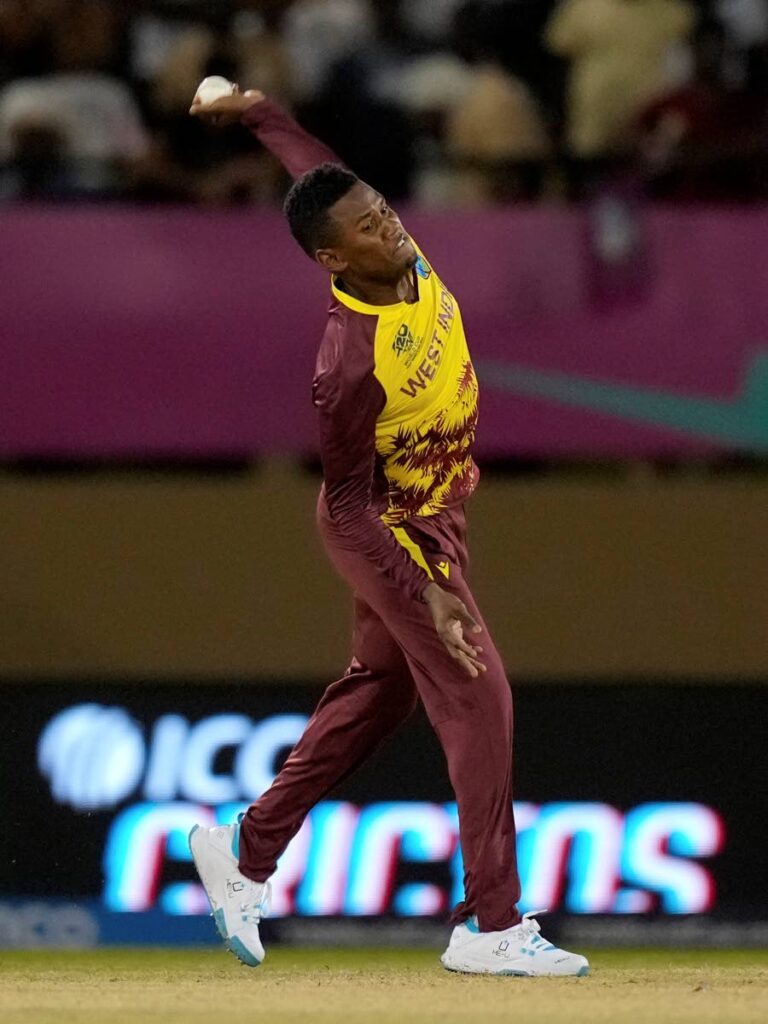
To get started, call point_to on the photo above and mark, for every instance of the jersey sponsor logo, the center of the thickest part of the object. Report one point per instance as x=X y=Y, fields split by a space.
x=407 y=345
x=423 y=269
x=444 y=567
x=404 y=341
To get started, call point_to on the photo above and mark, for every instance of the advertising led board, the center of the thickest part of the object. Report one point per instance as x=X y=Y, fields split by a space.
x=625 y=806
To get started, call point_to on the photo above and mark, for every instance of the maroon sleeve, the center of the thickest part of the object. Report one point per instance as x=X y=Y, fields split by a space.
x=349 y=399
x=297 y=150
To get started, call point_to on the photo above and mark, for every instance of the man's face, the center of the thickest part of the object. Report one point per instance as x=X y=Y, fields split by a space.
x=369 y=238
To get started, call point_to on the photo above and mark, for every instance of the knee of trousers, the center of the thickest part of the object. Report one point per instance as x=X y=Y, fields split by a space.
x=476 y=720
x=401 y=698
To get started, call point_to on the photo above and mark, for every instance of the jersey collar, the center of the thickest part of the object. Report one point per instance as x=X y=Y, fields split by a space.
x=365 y=307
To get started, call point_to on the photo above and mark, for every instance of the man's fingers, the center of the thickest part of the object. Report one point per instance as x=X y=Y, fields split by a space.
x=467 y=620
x=474 y=663
x=455 y=637
x=465 y=648
x=465 y=663
x=214 y=108
x=465 y=654
x=453 y=620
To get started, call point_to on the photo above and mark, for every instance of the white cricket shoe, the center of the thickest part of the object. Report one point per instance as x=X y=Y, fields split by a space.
x=238 y=904
x=517 y=950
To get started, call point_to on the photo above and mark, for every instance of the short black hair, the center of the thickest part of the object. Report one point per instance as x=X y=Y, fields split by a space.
x=309 y=200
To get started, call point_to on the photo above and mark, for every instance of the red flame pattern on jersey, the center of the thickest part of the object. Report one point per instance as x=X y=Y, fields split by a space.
x=430 y=467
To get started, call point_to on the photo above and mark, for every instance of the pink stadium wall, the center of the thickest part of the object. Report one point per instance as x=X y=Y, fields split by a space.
x=176 y=332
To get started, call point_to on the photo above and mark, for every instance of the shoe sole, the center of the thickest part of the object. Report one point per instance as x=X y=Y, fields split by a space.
x=232 y=943
x=511 y=972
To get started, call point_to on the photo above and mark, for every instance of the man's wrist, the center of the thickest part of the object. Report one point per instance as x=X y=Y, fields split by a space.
x=430 y=592
x=256 y=106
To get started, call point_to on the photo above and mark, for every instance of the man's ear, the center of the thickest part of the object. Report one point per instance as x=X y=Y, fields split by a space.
x=330 y=259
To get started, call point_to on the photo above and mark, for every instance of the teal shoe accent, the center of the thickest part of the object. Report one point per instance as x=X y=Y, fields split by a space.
x=218 y=920
x=243 y=955
x=515 y=974
x=234 y=945
x=583 y=971
x=236 y=841
x=472 y=925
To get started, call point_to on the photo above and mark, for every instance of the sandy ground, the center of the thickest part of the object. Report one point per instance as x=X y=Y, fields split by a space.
x=386 y=986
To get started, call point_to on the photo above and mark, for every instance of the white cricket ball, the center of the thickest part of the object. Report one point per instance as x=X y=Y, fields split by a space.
x=213 y=88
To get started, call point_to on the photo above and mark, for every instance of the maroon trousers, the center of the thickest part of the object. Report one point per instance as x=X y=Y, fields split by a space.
x=398 y=658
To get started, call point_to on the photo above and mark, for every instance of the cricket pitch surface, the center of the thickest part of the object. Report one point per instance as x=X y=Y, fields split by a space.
x=384 y=986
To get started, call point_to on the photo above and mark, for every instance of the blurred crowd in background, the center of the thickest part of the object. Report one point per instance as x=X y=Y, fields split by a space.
x=446 y=102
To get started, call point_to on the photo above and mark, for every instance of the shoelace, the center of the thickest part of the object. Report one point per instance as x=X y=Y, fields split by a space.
x=528 y=926
x=529 y=932
x=253 y=911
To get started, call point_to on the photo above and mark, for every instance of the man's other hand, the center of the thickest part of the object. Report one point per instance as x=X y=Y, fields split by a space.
x=451 y=618
x=226 y=109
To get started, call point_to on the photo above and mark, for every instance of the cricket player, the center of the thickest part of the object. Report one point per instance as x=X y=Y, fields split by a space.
x=396 y=398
